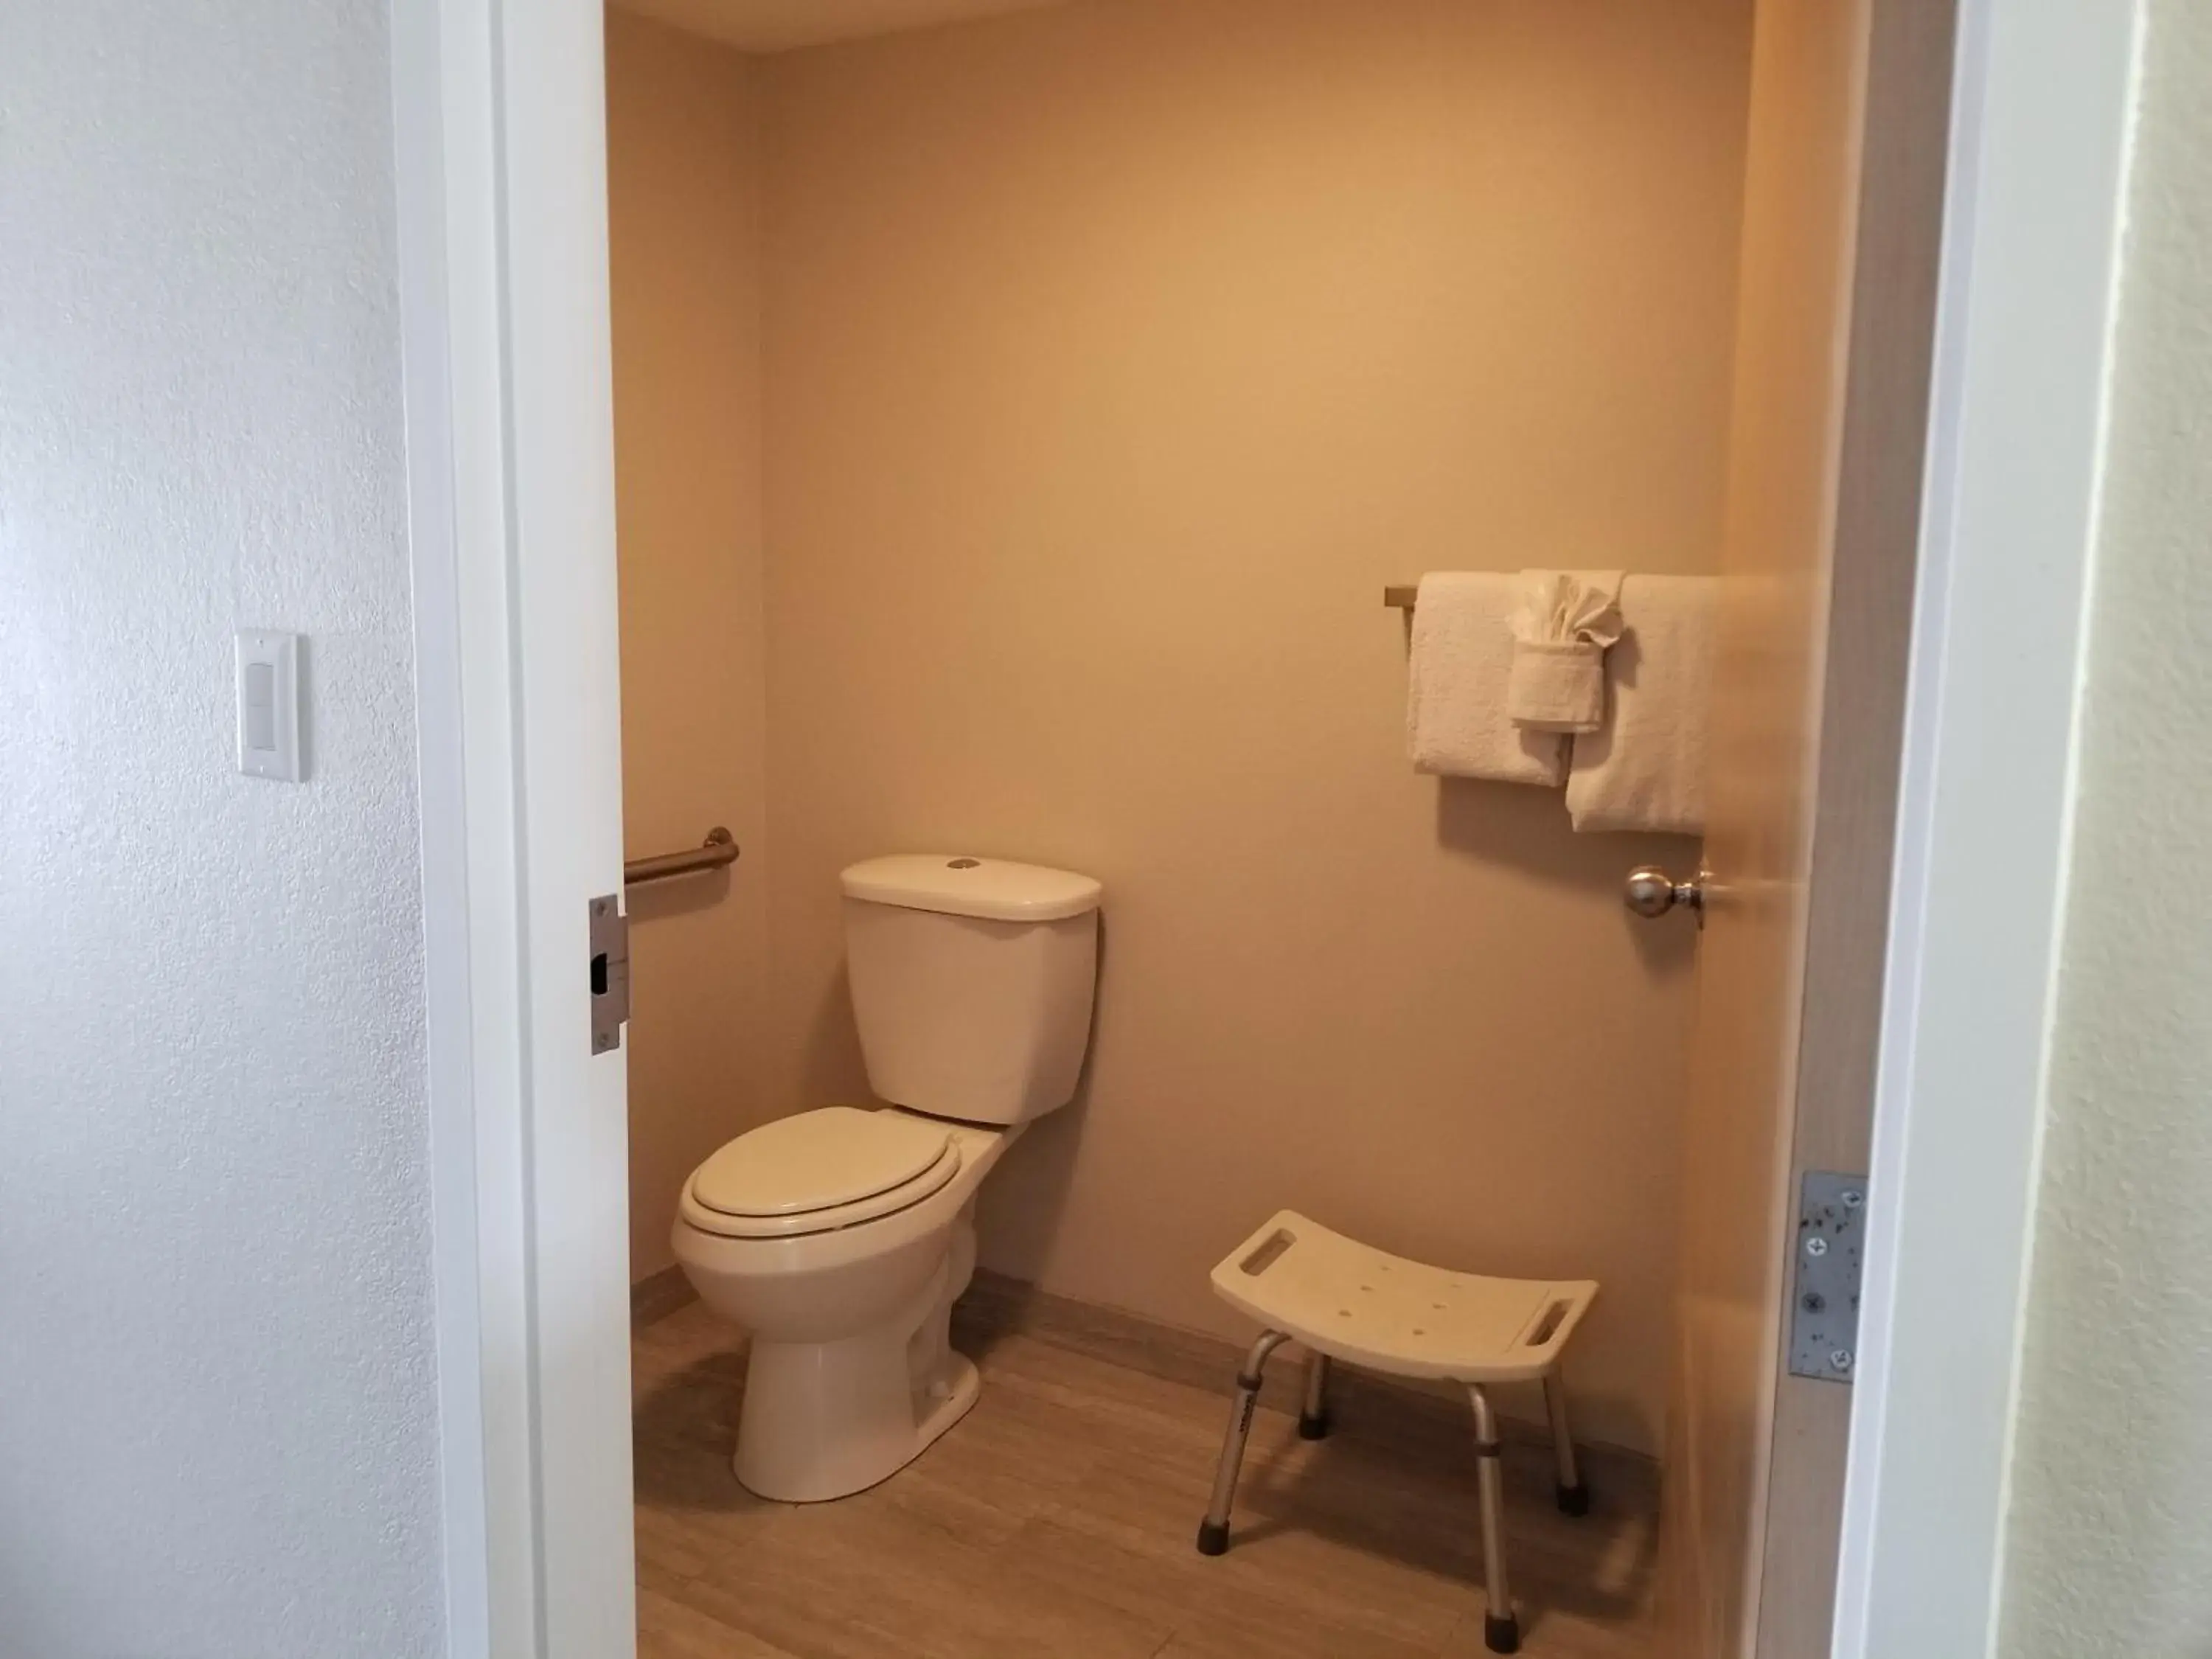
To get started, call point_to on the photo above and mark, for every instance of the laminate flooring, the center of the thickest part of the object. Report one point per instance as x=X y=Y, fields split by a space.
x=1058 y=1521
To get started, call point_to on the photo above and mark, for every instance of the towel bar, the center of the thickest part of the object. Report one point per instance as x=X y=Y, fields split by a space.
x=717 y=852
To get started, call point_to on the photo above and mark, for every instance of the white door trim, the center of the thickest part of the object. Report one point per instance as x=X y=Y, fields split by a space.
x=441 y=224
x=2043 y=115
x=500 y=134
x=503 y=462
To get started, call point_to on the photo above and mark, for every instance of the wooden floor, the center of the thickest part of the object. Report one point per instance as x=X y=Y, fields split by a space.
x=1057 y=1522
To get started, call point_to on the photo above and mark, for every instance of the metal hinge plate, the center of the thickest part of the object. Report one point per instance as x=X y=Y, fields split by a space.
x=609 y=970
x=1824 y=1305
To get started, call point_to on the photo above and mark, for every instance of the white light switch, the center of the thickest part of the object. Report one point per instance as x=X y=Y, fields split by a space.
x=269 y=704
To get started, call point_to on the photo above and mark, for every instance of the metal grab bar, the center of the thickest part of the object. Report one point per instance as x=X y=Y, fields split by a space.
x=718 y=852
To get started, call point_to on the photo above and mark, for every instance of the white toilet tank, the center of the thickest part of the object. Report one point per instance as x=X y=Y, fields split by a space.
x=972 y=982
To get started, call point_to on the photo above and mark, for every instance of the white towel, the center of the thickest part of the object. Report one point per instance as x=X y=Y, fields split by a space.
x=1645 y=769
x=1561 y=628
x=1463 y=656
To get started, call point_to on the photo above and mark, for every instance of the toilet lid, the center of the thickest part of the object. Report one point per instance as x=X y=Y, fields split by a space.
x=818 y=1160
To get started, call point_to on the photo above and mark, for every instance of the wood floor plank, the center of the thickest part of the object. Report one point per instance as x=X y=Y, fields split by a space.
x=668 y=1628
x=1059 y=1520
x=841 y=1581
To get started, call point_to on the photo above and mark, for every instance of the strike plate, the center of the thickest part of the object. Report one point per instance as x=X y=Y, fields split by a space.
x=1824 y=1311
x=609 y=970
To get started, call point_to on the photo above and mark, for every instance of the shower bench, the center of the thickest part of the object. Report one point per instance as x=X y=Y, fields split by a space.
x=1343 y=1300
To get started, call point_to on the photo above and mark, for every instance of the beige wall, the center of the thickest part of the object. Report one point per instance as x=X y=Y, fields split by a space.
x=683 y=139
x=1117 y=357
x=2111 y=1521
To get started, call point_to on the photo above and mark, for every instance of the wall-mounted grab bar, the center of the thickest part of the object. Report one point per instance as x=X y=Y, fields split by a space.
x=718 y=852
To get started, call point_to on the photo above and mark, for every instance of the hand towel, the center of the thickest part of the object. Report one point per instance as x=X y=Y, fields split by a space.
x=1462 y=656
x=1646 y=769
x=1561 y=628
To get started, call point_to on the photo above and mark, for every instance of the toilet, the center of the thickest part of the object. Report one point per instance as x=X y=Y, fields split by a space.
x=838 y=1238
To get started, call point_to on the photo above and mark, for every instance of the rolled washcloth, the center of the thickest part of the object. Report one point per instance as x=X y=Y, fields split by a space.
x=1456 y=721
x=1646 y=769
x=1561 y=628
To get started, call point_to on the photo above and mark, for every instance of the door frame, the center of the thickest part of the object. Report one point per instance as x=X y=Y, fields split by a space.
x=499 y=147
x=2044 y=103
x=500 y=166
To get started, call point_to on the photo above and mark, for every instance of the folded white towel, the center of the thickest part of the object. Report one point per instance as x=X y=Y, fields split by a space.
x=1561 y=628
x=1645 y=769
x=1463 y=656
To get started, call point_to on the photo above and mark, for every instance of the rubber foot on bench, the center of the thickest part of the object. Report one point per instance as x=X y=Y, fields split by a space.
x=1575 y=1500
x=1503 y=1635
x=1213 y=1538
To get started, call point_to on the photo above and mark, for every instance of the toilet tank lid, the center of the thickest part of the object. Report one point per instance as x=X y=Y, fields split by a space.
x=955 y=885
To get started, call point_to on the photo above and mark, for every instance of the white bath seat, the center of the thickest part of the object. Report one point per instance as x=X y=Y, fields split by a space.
x=1356 y=1304
x=1347 y=1301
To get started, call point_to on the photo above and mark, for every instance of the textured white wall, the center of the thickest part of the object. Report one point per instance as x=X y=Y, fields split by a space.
x=218 y=1436
x=2108 y=1541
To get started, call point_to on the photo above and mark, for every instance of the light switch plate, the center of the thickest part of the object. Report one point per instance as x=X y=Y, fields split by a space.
x=269 y=704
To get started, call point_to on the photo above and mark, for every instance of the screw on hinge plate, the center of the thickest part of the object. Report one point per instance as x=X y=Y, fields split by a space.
x=1824 y=1311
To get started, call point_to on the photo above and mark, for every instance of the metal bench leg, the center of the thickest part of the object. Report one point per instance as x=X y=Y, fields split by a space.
x=1213 y=1531
x=1501 y=1627
x=1574 y=1495
x=1313 y=1414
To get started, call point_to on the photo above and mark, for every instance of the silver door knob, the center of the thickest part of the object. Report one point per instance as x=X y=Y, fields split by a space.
x=1652 y=892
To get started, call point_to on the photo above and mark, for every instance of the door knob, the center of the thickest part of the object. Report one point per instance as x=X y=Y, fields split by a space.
x=1652 y=892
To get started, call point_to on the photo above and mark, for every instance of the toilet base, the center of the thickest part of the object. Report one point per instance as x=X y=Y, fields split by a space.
x=961 y=1388
x=825 y=1417
x=823 y=1420
x=824 y=1479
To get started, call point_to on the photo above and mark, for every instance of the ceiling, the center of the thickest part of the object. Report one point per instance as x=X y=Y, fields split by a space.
x=780 y=25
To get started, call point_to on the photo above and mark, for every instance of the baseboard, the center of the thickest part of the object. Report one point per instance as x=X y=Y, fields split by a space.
x=1421 y=1416
x=658 y=1295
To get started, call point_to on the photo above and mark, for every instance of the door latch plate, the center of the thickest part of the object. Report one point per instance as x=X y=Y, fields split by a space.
x=609 y=972
x=1824 y=1304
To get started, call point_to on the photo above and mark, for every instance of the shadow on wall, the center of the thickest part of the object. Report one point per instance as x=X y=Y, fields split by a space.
x=1045 y=1155
x=1528 y=830
x=659 y=900
x=830 y=1070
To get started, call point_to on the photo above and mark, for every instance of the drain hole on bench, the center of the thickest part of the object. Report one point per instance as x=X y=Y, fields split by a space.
x=1549 y=1323
x=1269 y=1253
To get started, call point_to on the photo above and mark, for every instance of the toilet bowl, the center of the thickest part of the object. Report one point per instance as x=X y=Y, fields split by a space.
x=839 y=1238
x=850 y=1375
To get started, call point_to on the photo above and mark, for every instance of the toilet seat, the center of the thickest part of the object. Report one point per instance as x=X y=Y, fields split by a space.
x=818 y=1171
